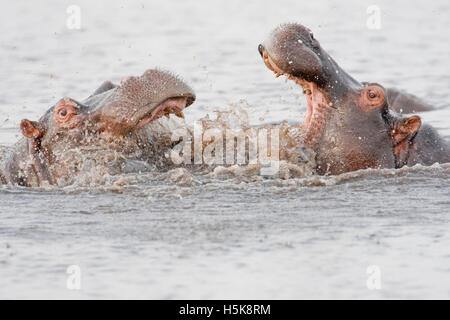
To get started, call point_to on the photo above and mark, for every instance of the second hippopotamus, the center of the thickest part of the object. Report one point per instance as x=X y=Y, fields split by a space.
x=350 y=124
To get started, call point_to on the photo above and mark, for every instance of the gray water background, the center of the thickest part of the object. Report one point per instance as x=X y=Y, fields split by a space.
x=224 y=238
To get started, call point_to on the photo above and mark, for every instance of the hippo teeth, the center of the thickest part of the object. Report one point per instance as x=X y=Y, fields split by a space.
x=271 y=65
x=167 y=112
x=180 y=115
x=177 y=113
x=170 y=106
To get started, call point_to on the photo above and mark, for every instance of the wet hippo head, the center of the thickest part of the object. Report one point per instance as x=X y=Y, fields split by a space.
x=347 y=123
x=112 y=114
x=114 y=110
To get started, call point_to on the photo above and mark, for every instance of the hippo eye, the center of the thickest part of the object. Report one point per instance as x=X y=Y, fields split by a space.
x=311 y=35
x=62 y=113
x=372 y=97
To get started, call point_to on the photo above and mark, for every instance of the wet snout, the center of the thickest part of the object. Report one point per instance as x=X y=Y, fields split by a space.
x=140 y=100
x=293 y=50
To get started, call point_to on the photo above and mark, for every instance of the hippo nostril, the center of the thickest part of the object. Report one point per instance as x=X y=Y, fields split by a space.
x=261 y=50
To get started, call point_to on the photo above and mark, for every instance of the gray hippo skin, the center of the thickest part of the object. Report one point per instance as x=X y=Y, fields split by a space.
x=403 y=102
x=350 y=125
x=112 y=114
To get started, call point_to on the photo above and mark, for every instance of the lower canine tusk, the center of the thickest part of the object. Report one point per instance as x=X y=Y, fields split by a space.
x=180 y=115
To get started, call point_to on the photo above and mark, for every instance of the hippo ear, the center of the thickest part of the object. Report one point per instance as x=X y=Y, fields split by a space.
x=405 y=130
x=31 y=129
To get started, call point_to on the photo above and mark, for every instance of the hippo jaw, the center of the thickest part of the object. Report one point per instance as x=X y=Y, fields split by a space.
x=140 y=100
x=318 y=102
x=169 y=106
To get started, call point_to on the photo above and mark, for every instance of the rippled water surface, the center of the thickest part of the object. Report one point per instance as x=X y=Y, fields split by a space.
x=180 y=235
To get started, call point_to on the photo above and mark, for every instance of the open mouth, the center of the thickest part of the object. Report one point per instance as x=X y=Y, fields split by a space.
x=170 y=106
x=318 y=105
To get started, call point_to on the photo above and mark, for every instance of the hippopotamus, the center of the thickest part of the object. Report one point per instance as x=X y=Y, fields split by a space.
x=113 y=114
x=349 y=124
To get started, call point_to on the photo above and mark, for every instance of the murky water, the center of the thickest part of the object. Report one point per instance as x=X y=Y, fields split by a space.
x=179 y=234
